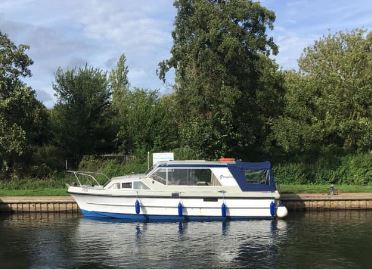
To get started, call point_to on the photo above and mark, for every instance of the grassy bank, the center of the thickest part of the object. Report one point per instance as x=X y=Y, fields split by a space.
x=35 y=192
x=36 y=187
x=321 y=188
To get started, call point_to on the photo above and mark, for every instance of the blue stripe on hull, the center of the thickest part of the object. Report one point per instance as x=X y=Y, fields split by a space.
x=163 y=218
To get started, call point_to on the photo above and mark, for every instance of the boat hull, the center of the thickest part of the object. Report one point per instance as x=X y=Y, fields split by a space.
x=164 y=218
x=174 y=209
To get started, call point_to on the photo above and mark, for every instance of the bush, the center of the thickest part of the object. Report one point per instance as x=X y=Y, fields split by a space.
x=51 y=155
x=355 y=169
x=111 y=167
x=57 y=181
x=350 y=169
x=185 y=153
x=290 y=173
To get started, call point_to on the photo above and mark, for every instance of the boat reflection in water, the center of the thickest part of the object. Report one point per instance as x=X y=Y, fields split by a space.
x=175 y=245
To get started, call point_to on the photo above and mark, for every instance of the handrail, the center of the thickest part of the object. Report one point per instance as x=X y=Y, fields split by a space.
x=87 y=174
x=96 y=173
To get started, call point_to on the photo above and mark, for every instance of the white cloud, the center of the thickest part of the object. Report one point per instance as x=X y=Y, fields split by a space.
x=299 y=23
x=291 y=47
x=71 y=33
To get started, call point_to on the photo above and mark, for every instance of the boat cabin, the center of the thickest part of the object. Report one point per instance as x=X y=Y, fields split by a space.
x=245 y=175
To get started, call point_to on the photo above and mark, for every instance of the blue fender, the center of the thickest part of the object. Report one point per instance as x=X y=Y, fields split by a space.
x=137 y=206
x=223 y=210
x=273 y=209
x=180 y=209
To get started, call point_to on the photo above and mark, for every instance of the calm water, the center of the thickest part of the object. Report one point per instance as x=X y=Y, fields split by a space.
x=313 y=240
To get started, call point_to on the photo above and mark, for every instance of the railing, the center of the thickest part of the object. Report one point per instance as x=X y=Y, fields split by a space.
x=89 y=175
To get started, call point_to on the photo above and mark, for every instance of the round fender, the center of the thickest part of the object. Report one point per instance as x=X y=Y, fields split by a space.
x=281 y=211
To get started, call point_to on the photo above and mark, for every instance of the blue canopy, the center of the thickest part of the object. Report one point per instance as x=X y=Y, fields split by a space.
x=238 y=171
x=253 y=166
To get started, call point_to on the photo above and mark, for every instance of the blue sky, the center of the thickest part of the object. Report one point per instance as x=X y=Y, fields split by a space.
x=70 y=33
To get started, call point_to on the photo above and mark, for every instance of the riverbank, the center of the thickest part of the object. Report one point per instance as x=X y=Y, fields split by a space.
x=34 y=204
x=293 y=201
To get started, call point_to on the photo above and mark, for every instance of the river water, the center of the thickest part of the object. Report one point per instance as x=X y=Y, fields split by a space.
x=311 y=240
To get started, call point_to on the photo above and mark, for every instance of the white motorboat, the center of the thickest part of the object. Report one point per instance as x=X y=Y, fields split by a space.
x=185 y=190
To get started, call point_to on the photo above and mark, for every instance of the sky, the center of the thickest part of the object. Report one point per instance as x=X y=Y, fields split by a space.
x=72 y=33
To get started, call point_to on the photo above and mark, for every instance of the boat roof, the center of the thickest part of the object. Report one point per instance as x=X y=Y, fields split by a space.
x=191 y=162
x=236 y=168
x=203 y=163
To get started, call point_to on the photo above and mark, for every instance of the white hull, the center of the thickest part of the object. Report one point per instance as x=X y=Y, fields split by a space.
x=185 y=190
x=123 y=207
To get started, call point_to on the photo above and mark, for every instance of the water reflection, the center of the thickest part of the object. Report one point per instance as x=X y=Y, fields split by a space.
x=336 y=239
x=217 y=244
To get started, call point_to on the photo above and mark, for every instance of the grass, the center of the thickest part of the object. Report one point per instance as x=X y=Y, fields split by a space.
x=35 y=192
x=322 y=188
x=36 y=187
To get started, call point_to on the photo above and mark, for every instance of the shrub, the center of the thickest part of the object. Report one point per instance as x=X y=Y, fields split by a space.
x=111 y=167
x=290 y=173
x=355 y=169
x=185 y=153
x=330 y=169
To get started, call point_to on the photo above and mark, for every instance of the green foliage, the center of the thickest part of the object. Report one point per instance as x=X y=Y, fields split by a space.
x=185 y=153
x=46 y=160
x=111 y=168
x=356 y=169
x=34 y=192
x=220 y=57
x=14 y=63
x=81 y=116
x=23 y=119
x=353 y=169
x=290 y=173
x=140 y=119
x=57 y=180
x=322 y=188
x=166 y=127
x=147 y=122
x=118 y=82
x=229 y=99
x=329 y=101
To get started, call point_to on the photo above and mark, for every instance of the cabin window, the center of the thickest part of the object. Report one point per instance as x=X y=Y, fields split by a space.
x=160 y=175
x=138 y=185
x=126 y=185
x=115 y=186
x=199 y=177
x=257 y=176
x=185 y=176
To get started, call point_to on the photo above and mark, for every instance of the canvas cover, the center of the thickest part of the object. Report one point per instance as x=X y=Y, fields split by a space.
x=238 y=171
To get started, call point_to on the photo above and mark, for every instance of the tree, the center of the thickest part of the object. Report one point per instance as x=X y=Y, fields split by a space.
x=329 y=100
x=144 y=121
x=166 y=125
x=149 y=122
x=23 y=119
x=220 y=57
x=119 y=84
x=118 y=81
x=82 y=115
